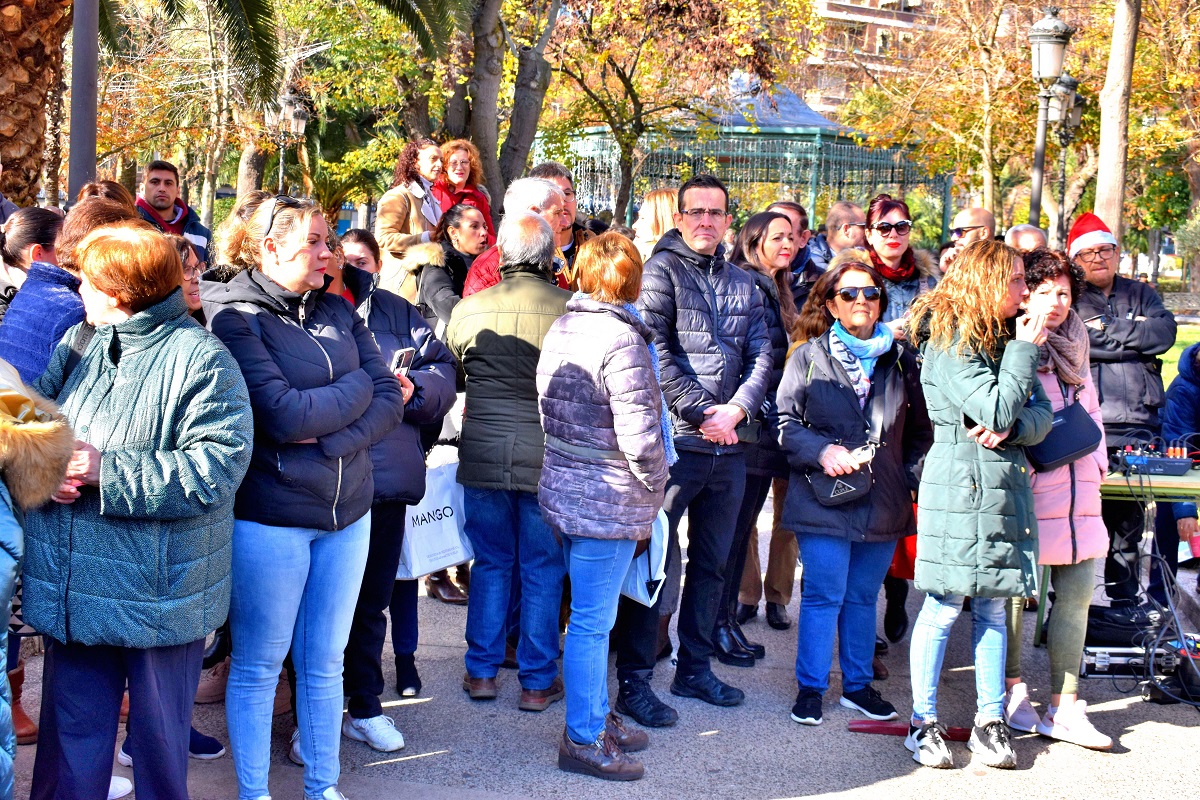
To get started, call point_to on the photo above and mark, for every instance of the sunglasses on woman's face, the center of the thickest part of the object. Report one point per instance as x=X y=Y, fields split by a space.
x=902 y=227
x=850 y=293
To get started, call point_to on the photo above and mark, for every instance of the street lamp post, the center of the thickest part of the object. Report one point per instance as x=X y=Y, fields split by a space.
x=1066 y=109
x=288 y=124
x=1048 y=44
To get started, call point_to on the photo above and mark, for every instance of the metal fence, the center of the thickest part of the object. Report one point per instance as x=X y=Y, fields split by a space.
x=814 y=169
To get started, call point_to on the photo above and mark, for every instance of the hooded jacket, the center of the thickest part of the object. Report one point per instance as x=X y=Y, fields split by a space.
x=314 y=371
x=35 y=445
x=818 y=407
x=601 y=408
x=142 y=560
x=1126 y=371
x=496 y=335
x=711 y=335
x=398 y=458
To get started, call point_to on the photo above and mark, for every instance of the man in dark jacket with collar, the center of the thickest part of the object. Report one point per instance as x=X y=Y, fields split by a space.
x=715 y=357
x=1129 y=328
x=159 y=204
x=496 y=335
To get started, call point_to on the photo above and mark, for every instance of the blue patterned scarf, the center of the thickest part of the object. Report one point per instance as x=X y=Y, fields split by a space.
x=858 y=356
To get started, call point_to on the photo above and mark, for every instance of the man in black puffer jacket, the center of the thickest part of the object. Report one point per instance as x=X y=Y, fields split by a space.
x=715 y=359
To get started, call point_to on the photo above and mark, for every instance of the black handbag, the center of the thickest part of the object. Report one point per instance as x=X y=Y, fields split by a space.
x=836 y=490
x=1073 y=435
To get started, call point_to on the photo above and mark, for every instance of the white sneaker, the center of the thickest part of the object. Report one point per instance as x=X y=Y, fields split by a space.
x=928 y=745
x=119 y=787
x=1070 y=724
x=1018 y=711
x=332 y=793
x=378 y=732
x=990 y=742
x=294 y=749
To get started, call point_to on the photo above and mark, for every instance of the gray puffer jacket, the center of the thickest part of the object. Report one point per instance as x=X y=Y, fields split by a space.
x=601 y=408
x=711 y=336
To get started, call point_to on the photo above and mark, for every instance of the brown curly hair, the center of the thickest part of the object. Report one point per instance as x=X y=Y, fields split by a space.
x=406 y=164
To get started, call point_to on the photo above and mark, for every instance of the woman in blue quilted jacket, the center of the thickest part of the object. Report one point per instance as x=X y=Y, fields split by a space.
x=128 y=570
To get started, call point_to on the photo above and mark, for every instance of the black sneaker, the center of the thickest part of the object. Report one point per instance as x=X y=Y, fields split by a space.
x=807 y=710
x=707 y=687
x=990 y=742
x=408 y=680
x=928 y=745
x=869 y=703
x=635 y=699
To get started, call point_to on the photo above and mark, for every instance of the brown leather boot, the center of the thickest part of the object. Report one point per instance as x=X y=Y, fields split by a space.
x=25 y=728
x=439 y=586
x=602 y=759
x=540 y=699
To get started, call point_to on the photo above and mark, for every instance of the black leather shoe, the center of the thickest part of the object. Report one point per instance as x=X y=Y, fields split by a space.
x=753 y=648
x=881 y=647
x=745 y=612
x=707 y=687
x=777 y=617
x=636 y=700
x=728 y=650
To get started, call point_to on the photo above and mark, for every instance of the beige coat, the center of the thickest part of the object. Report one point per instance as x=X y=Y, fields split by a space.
x=400 y=223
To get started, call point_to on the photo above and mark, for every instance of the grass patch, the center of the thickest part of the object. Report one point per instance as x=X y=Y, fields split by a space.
x=1188 y=335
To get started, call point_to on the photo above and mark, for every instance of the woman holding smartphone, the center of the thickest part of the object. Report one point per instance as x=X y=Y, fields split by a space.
x=976 y=526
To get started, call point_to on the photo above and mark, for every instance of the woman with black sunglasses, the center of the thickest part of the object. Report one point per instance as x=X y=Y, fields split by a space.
x=850 y=400
x=906 y=272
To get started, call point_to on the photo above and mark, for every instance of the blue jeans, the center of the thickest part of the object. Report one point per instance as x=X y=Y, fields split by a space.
x=841 y=584
x=292 y=588
x=597 y=568
x=501 y=524
x=929 y=637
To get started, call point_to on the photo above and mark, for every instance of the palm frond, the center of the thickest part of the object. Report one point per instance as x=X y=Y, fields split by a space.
x=432 y=22
x=249 y=27
x=113 y=32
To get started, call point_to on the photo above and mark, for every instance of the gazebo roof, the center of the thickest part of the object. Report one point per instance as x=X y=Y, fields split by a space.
x=779 y=111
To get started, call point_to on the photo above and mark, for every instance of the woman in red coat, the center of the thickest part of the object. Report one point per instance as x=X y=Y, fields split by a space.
x=461 y=182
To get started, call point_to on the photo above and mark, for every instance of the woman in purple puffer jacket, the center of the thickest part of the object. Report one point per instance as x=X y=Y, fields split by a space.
x=602 y=482
x=1071 y=532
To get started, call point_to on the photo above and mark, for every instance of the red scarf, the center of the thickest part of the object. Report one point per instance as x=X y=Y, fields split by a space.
x=174 y=226
x=906 y=269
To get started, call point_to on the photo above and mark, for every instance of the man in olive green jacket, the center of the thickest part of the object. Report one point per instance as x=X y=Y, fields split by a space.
x=496 y=335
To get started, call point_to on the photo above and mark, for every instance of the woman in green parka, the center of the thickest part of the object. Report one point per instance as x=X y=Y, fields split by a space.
x=976 y=528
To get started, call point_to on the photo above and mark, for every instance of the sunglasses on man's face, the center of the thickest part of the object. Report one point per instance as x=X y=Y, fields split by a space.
x=901 y=228
x=850 y=293
x=958 y=233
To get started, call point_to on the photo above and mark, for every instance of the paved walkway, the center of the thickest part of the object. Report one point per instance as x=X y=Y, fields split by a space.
x=460 y=749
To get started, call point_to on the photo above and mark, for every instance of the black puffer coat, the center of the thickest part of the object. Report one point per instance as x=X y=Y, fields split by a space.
x=710 y=333
x=766 y=458
x=818 y=407
x=398 y=458
x=314 y=371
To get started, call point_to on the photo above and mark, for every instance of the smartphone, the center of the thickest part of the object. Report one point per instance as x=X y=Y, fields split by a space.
x=402 y=361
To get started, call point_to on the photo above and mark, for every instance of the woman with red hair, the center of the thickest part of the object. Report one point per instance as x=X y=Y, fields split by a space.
x=461 y=181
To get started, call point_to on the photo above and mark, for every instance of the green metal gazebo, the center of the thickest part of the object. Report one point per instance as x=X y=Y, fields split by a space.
x=775 y=147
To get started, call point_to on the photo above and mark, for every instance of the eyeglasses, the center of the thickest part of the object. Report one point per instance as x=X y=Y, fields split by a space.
x=700 y=213
x=1092 y=256
x=280 y=200
x=901 y=228
x=191 y=273
x=850 y=293
x=958 y=233
x=459 y=164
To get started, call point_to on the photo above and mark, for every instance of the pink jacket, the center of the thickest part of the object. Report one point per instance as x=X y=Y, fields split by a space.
x=1067 y=536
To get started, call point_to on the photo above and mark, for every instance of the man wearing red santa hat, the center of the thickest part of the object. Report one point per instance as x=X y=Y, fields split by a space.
x=1128 y=327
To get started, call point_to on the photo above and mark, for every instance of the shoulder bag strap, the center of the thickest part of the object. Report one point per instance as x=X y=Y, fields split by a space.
x=79 y=345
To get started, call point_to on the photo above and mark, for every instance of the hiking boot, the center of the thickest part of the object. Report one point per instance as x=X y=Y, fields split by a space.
x=637 y=700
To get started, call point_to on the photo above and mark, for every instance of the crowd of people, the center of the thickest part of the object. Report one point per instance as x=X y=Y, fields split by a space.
x=212 y=433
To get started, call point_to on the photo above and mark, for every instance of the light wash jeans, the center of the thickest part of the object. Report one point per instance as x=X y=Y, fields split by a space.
x=509 y=534
x=597 y=568
x=292 y=588
x=841 y=586
x=930 y=634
